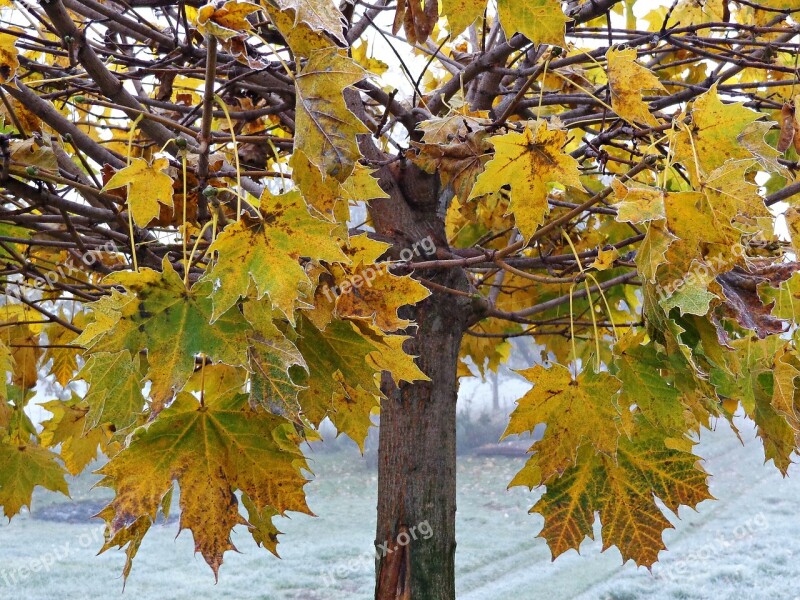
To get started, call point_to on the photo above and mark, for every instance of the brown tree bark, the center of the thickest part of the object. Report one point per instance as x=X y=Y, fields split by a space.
x=415 y=538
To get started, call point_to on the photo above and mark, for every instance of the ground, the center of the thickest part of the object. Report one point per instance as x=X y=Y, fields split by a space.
x=742 y=546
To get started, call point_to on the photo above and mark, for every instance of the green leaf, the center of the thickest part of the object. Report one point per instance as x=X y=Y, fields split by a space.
x=172 y=323
x=25 y=466
x=115 y=389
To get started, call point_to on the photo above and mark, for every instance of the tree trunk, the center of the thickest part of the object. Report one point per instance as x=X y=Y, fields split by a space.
x=415 y=540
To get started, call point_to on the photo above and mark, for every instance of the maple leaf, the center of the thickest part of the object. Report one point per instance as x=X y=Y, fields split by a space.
x=528 y=161
x=541 y=21
x=452 y=127
x=104 y=315
x=25 y=466
x=712 y=137
x=701 y=248
x=172 y=322
x=326 y=130
x=67 y=427
x=267 y=250
x=328 y=196
x=652 y=251
x=260 y=525
x=763 y=379
x=148 y=187
x=753 y=138
x=389 y=354
x=65 y=358
x=605 y=259
x=742 y=301
x=628 y=80
x=699 y=11
x=23 y=341
x=368 y=61
x=211 y=450
x=486 y=353
x=302 y=39
x=622 y=489
x=34 y=153
x=372 y=292
x=574 y=410
x=344 y=362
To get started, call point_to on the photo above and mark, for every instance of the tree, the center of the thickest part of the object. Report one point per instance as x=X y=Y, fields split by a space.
x=180 y=232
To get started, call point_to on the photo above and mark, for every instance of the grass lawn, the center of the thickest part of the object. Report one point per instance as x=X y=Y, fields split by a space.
x=743 y=546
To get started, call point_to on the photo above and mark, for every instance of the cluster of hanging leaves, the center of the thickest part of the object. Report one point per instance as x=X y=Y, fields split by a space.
x=189 y=276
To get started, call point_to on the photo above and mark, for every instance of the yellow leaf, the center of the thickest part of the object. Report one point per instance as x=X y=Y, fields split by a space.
x=64 y=359
x=149 y=186
x=712 y=137
x=371 y=292
x=370 y=63
x=212 y=450
x=541 y=21
x=488 y=353
x=462 y=13
x=326 y=130
x=226 y=21
x=67 y=429
x=528 y=162
x=302 y=39
x=321 y=16
x=638 y=205
x=623 y=489
x=328 y=196
x=9 y=62
x=340 y=383
x=267 y=251
x=574 y=410
x=605 y=259
x=628 y=80
x=26 y=466
x=26 y=352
